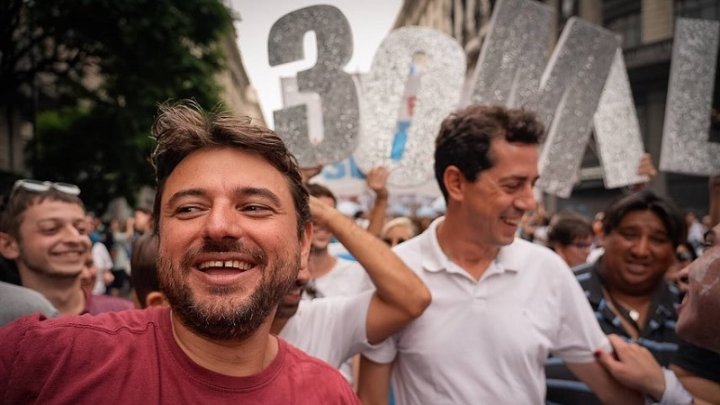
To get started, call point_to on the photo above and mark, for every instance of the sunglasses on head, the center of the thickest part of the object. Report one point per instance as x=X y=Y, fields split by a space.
x=37 y=186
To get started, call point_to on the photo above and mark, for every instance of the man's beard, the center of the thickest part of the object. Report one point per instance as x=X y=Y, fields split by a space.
x=226 y=319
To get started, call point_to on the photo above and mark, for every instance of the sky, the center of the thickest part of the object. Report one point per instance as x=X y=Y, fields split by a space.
x=370 y=21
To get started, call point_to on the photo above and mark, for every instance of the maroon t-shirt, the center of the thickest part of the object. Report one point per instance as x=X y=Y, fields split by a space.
x=131 y=357
x=98 y=304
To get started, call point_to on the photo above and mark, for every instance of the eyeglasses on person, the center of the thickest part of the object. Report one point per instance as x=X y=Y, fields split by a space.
x=38 y=186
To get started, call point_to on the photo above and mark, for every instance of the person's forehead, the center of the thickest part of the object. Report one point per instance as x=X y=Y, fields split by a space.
x=226 y=167
x=47 y=209
x=642 y=217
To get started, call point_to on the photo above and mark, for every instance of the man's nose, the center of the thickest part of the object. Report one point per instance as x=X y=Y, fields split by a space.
x=222 y=222
x=526 y=200
x=641 y=247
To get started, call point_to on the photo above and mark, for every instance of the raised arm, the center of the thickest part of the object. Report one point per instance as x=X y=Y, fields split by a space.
x=377 y=182
x=400 y=295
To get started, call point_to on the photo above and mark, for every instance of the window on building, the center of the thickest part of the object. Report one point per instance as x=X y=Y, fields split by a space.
x=629 y=27
x=704 y=9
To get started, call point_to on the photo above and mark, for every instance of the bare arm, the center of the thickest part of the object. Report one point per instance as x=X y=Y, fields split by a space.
x=609 y=390
x=400 y=295
x=374 y=382
x=635 y=367
x=377 y=182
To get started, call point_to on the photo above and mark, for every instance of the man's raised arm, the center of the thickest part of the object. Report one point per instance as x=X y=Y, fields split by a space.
x=400 y=295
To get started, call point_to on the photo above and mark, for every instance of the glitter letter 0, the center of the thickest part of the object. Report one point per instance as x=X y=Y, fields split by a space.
x=570 y=89
x=513 y=55
x=401 y=112
x=340 y=112
x=686 y=147
x=617 y=130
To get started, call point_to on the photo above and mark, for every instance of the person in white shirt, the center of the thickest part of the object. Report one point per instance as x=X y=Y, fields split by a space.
x=337 y=328
x=500 y=305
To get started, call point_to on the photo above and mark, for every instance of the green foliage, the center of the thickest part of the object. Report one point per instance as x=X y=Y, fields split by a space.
x=139 y=53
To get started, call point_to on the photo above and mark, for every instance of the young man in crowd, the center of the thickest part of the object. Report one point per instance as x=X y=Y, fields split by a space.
x=43 y=229
x=234 y=228
x=500 y=305
x=338 y=327
x=331 y=276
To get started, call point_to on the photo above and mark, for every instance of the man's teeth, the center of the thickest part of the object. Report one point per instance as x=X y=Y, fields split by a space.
x=511 y=221
x=230 y=264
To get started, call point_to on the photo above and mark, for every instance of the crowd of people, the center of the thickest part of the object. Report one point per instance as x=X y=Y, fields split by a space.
x=242 y=296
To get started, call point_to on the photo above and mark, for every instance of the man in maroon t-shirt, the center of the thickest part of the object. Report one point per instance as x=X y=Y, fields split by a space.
x=234 y=229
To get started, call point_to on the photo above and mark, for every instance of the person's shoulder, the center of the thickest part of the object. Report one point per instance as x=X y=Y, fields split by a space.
x=301 y=362
x=74 y=326
x=17 y=301
x=106 y=303
x=584 y=272
x=309 y=372
x=534 y=255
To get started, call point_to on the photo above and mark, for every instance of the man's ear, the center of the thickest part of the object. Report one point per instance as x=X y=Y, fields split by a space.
x=305 y=243
x=9 y=247
x=454 y=182
x=155 y=299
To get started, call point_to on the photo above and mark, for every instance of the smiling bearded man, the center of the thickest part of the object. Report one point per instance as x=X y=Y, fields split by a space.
x=233 y=224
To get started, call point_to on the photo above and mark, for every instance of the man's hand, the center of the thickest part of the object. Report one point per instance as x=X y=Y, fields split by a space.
x=634 y=367
x=320 y=212
x=377 y=180
x=646 y=167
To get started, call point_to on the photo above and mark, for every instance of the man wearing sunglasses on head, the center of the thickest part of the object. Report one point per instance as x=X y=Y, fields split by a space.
x=44 y=231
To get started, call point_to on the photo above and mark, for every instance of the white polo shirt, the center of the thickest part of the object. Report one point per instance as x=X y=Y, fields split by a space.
x=486 y=342
x=331 y=329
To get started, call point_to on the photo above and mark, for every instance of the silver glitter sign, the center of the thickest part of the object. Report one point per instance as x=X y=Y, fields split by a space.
x=569 y=93
x=617 y=130
x=686 y=147
x=340 y=110
x=401 y=111
x=513 y=55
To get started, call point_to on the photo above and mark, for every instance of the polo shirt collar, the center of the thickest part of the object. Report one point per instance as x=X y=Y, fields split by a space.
x=434 y=259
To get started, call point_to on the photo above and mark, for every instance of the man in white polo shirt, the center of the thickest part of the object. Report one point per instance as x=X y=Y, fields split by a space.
x=500 y=305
